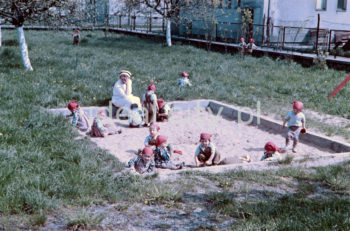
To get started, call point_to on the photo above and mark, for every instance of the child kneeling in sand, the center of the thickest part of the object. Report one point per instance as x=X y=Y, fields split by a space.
x=296 y=124
x=163 y=113
x=206 y=153
x=163 y=153
x=100 y=128
x=143 y=163
x=272 y=152
x=80 y=119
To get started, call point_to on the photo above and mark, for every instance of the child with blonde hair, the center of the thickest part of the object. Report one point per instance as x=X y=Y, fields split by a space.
x=206 y=153
x=153 y=133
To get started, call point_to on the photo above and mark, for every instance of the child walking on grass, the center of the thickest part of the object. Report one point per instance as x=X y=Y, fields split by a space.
x=272 y=152
x=80 y=119
x=100 y=128
x=163 y=153
x=206 y=153
x=143 y=163
x=149 y=102
x=295 y=125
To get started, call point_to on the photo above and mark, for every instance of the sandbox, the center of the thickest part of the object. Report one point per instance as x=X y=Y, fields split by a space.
x=235 y=133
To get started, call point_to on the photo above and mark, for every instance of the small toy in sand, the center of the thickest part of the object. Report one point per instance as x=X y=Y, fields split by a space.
x=296 y=122
x=184 y=80
x=80 y=119
x=144 y=162
x=272 y=152
x=149 y=102
x=100 y=128
x=206 y=153
x=245 y=158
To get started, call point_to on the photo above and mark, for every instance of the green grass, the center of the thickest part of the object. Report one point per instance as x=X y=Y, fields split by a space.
x=42 y=164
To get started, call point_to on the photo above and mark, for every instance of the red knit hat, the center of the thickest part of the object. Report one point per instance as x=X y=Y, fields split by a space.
x=184 y=74
x=148 y=151
x=160 y=102
x=251 y=40
x=205 y=136
x=102 y=112
x=298 y=105
x=269 y=146
x=160 y=140
x=154 y=126
x=73 y=105
x=151 y=87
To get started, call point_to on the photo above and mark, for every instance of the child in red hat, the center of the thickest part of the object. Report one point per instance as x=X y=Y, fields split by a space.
x=100 y=128
x=153 y=133
x=250 y=46
x=76 y=37
x=149 y=102
x=163 y=153
x=272 y=152
x=80 y=119
x=143 y=163
x=163 y=113
x=296 y=123
x=206 y=153
x=184 y=81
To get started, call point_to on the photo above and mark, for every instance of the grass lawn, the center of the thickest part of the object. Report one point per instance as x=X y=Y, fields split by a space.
x=43 y=165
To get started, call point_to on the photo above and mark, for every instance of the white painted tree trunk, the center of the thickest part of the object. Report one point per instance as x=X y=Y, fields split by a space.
x=168 y=32
x=24 y=49
x=0 y=37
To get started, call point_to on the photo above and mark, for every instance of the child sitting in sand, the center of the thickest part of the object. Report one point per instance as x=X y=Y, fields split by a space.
x=143 y=163
x=296 y=124
x=135 y=116
x=163 y=153
x=80 y=119
x=206 y=153
x=184 y=81
x=272 y=152
x=149 y=102
x=153 y=133
x=163 y=113
x=100 y=128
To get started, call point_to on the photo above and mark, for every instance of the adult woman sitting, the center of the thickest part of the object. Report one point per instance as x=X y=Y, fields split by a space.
x=122 y=92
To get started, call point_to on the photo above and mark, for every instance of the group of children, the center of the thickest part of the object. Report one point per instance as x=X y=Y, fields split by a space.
x=158 y=152
x=247 y=47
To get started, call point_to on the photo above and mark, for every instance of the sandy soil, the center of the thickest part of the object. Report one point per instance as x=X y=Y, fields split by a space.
x=232 y=139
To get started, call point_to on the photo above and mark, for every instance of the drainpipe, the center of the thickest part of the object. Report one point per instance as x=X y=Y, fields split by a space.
x=268 y=10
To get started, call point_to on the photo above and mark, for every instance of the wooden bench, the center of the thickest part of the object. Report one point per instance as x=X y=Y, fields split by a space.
x=342 y=39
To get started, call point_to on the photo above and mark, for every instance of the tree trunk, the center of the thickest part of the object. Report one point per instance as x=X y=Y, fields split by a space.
x=24 y=49
x=168 y=32
x=0 y=37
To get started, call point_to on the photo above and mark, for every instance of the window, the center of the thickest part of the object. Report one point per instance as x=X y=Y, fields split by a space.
x=238 y=3
x=341 y=5
x=229 y=4
x=220 y=4
x=321 y=4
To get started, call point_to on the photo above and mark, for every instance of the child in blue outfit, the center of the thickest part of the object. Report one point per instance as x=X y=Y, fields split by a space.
x=153 y=133
x=272 y=152
x=296 y=123
x=184 y=81
x=143 y=163
x=80 y=119
x=163 y=153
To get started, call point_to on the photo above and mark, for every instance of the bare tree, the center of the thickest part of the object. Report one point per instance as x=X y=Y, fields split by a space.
x=17 y=12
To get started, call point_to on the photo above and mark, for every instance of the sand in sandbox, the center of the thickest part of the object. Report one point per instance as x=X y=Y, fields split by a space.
x=232 y=139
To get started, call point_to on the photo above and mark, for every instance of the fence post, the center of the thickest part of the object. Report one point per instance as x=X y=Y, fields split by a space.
x=163 y=29
x=134 y=22
x=216 y=31
x=150 y=22
x=330 y=40
x=263 y=30
x=120 y=21
x=268 y=30
x=283 y=36
x=318 y=30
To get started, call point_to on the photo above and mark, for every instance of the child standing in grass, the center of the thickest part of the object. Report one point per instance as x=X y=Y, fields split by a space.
x=251 y=45
x=143 y=163
x=163 y=113
x=76 y=37
x=243 y=46
x=163 y=153
x=206 y=153
x=101 y=129
x=296 y=122
x=149 y=102
x=272 y=152
x=80 y=119
x=184 y=81
x=153 y=133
